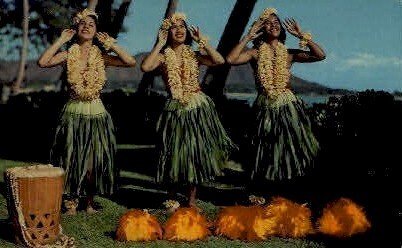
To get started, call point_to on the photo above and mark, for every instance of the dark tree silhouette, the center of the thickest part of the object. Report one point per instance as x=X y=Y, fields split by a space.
x=215 y=77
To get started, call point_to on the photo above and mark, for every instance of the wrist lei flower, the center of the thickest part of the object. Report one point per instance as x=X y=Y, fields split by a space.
x=108 y=43
x=202 y=43
x=304 y=39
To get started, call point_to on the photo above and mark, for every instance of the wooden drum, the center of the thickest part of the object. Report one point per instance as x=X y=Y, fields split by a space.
x=34 y=197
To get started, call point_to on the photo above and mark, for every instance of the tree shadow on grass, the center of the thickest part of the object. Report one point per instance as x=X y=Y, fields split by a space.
x=110 y=234
x=3 y=189
x=6 y=233
x=139 y=197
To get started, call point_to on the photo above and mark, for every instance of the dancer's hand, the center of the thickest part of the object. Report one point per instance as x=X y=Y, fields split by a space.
x=196 y=34
x=67 y=35
x=293 y=27
x=162 y=37
x=102 y=37
x=255 y=30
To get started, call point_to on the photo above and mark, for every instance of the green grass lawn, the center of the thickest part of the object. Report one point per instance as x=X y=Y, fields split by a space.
x=97 y=230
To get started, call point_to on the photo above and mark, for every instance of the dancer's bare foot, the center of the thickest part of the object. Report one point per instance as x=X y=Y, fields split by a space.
x=91 y=210
x=91 y=205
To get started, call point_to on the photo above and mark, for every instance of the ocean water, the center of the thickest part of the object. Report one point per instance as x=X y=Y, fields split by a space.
x=307 y=99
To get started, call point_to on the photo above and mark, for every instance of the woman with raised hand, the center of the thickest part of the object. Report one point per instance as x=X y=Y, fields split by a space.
x=283 y=144
x=193 y=145
x=84 y=142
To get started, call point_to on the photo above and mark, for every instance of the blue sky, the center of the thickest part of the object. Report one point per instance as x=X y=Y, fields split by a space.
x=362 y=38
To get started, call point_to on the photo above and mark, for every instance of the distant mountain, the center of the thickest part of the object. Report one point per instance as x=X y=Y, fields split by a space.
x=240 y=78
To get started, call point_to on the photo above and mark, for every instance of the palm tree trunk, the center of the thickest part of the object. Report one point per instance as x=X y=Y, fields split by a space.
x=171 y=8
x=148 y=78
x=215 y=77
x=104 y=9
x=92 y=4
x=119 y=18
x=111 y=21
x=24 y=48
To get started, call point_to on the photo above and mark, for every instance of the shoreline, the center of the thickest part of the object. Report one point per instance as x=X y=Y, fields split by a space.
x=244 y=94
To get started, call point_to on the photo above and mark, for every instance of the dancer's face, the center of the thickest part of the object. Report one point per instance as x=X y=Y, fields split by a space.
x=86 y=28
x=178 y=32
x=272 y=26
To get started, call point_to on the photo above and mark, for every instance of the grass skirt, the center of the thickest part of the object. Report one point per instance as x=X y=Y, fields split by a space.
x=85 y=146
x=283 y=143
x=193 y=144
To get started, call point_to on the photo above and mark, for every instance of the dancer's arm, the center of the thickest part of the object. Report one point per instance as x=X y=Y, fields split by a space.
x=155 y=58
x=51 y=57
x=240 y=55
x=315 y=53
x=123 y=59
x=212 y=57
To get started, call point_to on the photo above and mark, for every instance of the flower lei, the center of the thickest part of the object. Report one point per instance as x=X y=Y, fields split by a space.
x=272 y=67
x=168 y=23
x=182 y=82
x=85 y=84
x=273 y=72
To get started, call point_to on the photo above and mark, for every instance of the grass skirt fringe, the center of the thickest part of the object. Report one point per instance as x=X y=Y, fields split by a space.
x=283 y=143
x=85 y=143
x=193 y=143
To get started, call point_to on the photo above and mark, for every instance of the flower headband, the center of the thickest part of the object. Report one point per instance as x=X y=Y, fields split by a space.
x=168 y=22
x=267 y=12
x=81 y=15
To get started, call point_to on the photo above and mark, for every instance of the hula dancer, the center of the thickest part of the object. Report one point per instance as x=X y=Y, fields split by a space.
x=84 y=142
x=193 y=143
x=283 y=143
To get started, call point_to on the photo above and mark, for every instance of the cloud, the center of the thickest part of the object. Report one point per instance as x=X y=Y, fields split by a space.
x=371 y=60
x=365 y=61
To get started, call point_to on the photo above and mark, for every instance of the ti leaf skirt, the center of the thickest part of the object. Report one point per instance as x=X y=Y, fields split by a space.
x=283 y=143
x=85 y=147
x=193 y=145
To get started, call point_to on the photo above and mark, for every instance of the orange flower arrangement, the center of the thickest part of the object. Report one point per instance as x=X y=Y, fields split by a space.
x=287 y=219
x=241 y=222
x=138 y=225
x=343 y=218
x=281 y=217
x=186 y=224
